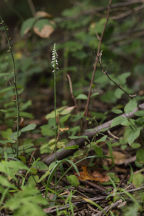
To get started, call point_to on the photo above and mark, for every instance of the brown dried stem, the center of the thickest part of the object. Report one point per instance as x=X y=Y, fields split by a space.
x=97 y=59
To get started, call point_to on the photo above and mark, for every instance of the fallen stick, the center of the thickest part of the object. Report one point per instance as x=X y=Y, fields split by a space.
x=69 y=149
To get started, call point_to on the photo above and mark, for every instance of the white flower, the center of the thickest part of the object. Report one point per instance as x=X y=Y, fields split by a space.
x=54 y=61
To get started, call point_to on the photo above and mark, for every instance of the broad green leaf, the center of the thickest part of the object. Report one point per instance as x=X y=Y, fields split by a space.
x=46 y=130
x=29 y=127
x=117 y=121
x=102 y=139
x=7 y=133
x=118 y=93
x=52 y=114
x=116 y=111
x=131 y=134
x=140 y=156
x=122 y=78
x=41 y=23
x=139 y=113
x=130 y=106
x=27 y=25
x=81 y=97
x=67 y=110
x=73 y=180
x=95 y=94
x=138 y=179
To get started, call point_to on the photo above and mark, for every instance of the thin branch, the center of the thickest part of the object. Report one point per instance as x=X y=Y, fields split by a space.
x=113 y=81
x=108 y=208
x=71 y=90
x=97 y=59
x=69 y=149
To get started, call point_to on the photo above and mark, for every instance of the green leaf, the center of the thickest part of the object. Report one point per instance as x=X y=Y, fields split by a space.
x=52 y=114
x=27 y=25
x=130 y=106
x=78 y=137
x=102 y=139
x=7 y=133
x=117 y=121
x=73 y=180
x=138 y=179
x=72 y=147
x=116 y=111
x=122 y=78
x=132 y=134
x=95 y=94
x=27 y=201
x=41 y=23
x=29 y=127
x=140 y=156
x=4 y=182
x=67 y=110
x=81 y=97
x=118 y=93
x=46 y=130
x=139 y=113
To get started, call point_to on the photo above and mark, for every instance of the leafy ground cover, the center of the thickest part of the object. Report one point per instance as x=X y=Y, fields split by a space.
x=72 y=111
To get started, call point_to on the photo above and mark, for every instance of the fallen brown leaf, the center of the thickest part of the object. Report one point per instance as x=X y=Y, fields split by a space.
x=95 y=176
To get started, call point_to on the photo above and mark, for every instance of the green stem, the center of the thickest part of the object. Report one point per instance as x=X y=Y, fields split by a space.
x=15 y=84
x=55 y=110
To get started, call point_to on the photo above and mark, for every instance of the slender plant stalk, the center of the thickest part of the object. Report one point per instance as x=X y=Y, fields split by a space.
x=55 y=68
x=55 y=110
x=97 y=59
x=14 y=82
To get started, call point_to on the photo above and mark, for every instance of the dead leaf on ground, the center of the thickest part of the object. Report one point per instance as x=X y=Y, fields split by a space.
x=94 y=176
x=119 y=158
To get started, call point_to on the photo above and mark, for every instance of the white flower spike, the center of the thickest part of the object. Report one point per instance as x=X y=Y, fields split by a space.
x=54 y=59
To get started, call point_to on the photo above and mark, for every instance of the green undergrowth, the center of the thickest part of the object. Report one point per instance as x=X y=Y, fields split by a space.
x=28 y=186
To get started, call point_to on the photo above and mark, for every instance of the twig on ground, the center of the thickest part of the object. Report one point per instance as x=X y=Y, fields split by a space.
x=94 y=199
x=108 y=208
x=97 y=59
x=60 y=154
x=112 y=135
x=55 y=208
